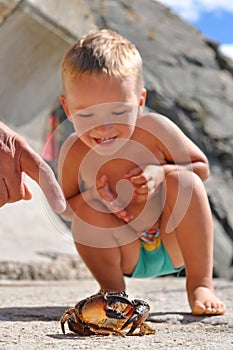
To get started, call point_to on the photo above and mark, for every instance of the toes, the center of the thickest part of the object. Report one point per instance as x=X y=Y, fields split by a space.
x=198 y=309
x=208 y=309
x=215 y=308
x=220 y=309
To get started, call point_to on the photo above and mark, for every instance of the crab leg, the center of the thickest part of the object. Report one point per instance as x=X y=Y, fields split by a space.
x=65 y=317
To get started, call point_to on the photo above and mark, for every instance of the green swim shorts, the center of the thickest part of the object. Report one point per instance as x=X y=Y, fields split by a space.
x=153 y=263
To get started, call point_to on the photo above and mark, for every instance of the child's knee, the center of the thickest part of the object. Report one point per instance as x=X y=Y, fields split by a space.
x=184 y=187
x=184 y=181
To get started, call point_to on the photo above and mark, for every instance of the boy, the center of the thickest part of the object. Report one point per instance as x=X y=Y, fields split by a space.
x=133 y=182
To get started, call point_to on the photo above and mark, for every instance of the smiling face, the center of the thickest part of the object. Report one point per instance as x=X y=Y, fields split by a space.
x=103 y=110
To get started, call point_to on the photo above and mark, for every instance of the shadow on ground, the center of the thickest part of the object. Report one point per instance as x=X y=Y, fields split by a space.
x=26 y=314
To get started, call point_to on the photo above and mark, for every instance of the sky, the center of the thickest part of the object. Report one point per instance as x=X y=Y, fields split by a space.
x=214 y=18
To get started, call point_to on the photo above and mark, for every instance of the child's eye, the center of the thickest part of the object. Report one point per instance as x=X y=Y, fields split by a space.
x=85 y=115
x=119 y=113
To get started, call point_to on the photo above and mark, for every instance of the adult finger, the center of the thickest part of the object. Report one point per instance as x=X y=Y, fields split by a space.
x=3 y=193
x=34 y=166
x=14 y=188
x=27 y=193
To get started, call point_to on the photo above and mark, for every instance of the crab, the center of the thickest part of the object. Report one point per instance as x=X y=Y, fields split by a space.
x=108 y=313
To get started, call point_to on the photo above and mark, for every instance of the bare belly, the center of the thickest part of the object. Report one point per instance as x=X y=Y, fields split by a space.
x=148 y=217
x=145 y=215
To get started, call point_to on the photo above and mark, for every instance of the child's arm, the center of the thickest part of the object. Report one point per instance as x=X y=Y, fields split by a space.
x=179 y=152
x=68 y=175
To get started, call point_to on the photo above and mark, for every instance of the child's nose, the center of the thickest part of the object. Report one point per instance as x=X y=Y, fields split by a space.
x=104 y=127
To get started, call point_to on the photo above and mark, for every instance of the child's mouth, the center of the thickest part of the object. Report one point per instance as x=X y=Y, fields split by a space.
x=105 y=140
x=107 y=146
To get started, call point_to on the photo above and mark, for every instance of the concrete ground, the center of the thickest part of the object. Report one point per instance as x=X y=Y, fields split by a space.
x=30 y=313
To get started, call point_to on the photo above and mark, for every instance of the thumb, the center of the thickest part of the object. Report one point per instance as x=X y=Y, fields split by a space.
x=27 y=193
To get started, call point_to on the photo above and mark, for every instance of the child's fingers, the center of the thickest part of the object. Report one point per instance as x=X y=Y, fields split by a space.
x=124 y=215
x=134 y=172
x=142 y=190
x=115 y=206
x=104 y=190
x=142 y=193
x=101 y=182
x=140 y=198
x=139 y=180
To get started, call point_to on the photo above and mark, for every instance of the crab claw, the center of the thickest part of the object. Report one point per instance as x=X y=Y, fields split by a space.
x=140 y=314
x=113 y=299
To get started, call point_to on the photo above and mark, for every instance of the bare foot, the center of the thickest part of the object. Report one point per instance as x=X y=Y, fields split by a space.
x=203 y=301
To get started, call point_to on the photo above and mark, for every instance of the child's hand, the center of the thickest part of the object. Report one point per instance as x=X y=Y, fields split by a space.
x=113 y=204
x=145 y=182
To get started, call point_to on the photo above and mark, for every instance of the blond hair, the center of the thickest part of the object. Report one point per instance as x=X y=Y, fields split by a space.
x=104 y=52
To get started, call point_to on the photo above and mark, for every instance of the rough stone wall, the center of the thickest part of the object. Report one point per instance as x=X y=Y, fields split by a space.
x=30 y=58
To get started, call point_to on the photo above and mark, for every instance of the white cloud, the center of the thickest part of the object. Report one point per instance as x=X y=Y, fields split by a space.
x=191 y=10
x=227 y=49
x=187 y=9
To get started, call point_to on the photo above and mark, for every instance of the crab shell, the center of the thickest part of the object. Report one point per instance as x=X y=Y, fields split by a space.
x=107 y=313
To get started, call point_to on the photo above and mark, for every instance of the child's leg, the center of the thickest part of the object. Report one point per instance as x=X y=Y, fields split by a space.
x=194 y=232
x=108 y=247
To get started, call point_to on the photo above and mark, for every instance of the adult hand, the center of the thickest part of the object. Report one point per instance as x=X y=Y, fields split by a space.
x=18 y=158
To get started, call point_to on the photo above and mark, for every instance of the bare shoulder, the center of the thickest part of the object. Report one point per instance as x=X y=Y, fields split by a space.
x=166 y=133
x=170 y=138
x=149 y=121
x=69 y=142
x=159 y=126
x=72 y=148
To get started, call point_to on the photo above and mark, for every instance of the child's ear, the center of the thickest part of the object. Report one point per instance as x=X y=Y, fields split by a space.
x=142 y=100
x=65 y=107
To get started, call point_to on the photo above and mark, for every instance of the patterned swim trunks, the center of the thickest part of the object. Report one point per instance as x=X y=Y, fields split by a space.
x=154 y=260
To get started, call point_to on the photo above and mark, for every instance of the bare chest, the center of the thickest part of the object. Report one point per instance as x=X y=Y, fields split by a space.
x=116 y=167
